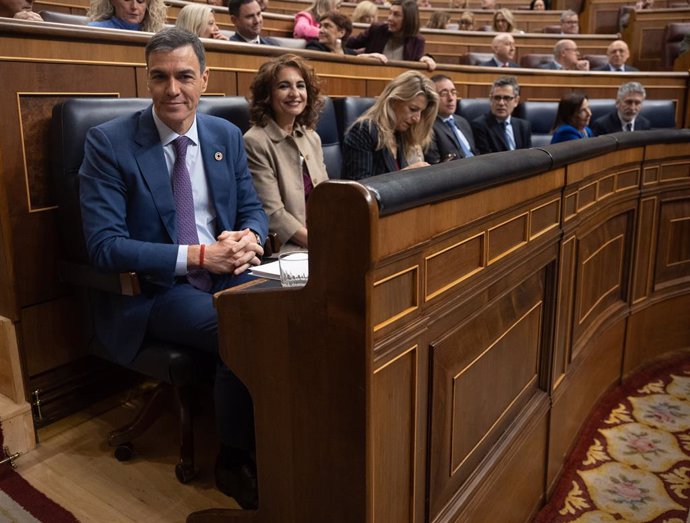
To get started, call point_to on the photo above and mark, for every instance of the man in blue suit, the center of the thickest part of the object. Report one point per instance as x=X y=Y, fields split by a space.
x=166 y=193
x=246 y=16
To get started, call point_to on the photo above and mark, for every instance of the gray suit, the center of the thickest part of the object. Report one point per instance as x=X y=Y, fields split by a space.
x=444 y=145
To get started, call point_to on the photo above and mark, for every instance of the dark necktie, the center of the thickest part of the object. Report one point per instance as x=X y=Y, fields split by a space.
x=627 y=126
x=185 y=223
x=510 y=140
x=455 y=131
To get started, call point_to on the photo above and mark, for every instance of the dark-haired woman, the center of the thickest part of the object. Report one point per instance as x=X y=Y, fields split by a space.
x=572 y=118
x=333 y=31
x=283 y=150
x=397 y=39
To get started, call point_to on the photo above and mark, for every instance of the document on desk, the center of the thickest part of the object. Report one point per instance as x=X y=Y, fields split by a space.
x=270 y=271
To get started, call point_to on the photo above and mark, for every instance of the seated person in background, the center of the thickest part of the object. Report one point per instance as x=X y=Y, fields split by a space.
x=134 y=15
x=503 y=21
x=488 y=5
x=566 y=57
x=537 y=5
x=458 y=4
x=498 y=130
x=365 y=12
x=335 y=29
x=618 y=53
x=572 y=118
x=246 y=16
x=438 y=20
x=570 y=22
x=466 y=22
x=19 y=9
x=503 y=46
x=307 y=22
x=453 y=138
x=424 y=3
x=283 y=150
x=397 y=39
x=393 y=133
x=199 y=19
x=157 y=198
x=626 y=117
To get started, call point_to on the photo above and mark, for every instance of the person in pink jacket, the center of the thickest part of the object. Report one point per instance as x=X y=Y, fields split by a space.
x=307 y=22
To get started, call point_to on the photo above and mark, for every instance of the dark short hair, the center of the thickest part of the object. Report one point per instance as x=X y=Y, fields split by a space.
x=341 y=21
x=505 y=81
x=173 y=38
x=235 y=5
x=440 y=78
x=410 y=17
x=568 y=108
x=260 y=107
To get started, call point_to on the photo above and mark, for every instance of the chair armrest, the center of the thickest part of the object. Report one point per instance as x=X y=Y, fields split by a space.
x=82 y=275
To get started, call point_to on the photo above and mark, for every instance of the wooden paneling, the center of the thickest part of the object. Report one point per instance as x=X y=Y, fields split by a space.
x=644 y=34
x=673 y=249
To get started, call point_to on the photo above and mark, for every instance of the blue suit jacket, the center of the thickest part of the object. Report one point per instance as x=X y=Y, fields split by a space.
x=128 y=213
x=565 y=133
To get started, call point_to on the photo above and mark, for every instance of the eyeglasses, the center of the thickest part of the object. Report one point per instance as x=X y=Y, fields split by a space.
x=445 y=93
x=499 y=98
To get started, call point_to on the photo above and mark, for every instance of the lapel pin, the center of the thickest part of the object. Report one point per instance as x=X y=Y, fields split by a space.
x=218 y=156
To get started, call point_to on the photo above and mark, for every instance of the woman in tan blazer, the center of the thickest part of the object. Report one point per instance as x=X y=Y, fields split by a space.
x=283 y=150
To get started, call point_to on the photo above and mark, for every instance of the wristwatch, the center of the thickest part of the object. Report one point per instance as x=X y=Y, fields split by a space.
x=258 y=237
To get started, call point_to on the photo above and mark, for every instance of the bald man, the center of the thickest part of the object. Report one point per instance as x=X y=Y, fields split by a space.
x=19 y=9
x=503 y=46
x=618 y=54
x=566 y=57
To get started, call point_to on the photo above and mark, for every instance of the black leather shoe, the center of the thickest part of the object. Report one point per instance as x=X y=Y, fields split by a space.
x=240 y=483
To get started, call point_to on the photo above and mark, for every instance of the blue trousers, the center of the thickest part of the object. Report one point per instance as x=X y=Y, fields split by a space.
x=186 y=315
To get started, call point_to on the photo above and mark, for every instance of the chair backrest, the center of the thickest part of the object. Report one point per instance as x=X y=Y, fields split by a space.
x=291 y=43
x=63 y=18
x=552 y=29
x=671 y=42
x=327 y=128
x=534 y=60
x=661 y=113
x=348 y=109
x=471 y=108
x=475 y=58
x=234 y=109
x=596 y=60
x=601 y=107
x=70 y=122
x=541 y=116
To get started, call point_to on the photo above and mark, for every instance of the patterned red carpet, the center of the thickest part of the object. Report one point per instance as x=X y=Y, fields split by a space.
x=21 y=503
x=632 y=462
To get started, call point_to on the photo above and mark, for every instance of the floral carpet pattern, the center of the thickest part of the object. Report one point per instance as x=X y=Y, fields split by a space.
x=632 y=463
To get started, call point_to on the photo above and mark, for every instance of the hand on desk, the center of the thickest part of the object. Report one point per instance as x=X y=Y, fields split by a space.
x=234 y=252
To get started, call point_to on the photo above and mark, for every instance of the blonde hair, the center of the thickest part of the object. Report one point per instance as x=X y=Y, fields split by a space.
x=381 y=115
x=193 y=18
x=154 y=19
x=508 y=17
x=438 y=20
x=365 y=8
x=321 y=7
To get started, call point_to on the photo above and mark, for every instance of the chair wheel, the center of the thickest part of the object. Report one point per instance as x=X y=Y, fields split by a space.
x=124 y=452
x=184 y=473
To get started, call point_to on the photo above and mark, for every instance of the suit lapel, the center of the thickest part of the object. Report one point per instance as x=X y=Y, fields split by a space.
x=498 y=132
x=214 y=156
x=151 y=163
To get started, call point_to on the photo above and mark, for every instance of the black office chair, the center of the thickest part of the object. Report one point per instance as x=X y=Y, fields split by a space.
x=327 y=129
x=348 y=109
x=177 y=368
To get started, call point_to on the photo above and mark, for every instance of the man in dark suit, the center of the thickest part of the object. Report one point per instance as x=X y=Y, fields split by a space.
x=503 y=46
x=166 y=192
x=248 y=21
x=617 y=53
x=498 y=130
x=566 y=57
x=453 y=138
x=626 y=117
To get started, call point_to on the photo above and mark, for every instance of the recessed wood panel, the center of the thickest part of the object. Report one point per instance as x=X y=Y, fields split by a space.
x=627 y=179
x=606 y=186
x=570 y=206
x=454 y=264
x=499 y=345
x=651 y=175
x=646 y=239
x=394 y=417
x=586 y=196
x=544 y=218
x=507 y=237
x=675 y=171
x=395 y=296
x=601 y=275
x=673 y=251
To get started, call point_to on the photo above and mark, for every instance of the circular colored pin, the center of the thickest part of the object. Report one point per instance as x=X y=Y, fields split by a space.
x=218 y=156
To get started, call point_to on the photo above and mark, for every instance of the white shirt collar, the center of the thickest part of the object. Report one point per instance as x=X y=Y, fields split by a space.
x=167 y=135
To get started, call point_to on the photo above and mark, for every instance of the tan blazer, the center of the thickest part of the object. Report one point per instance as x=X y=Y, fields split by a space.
x=274 y=161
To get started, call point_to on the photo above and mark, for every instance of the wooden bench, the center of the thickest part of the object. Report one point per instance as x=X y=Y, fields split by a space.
x=645 y=35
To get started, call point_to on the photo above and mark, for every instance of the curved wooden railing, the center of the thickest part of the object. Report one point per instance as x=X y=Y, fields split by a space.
x=458 y=325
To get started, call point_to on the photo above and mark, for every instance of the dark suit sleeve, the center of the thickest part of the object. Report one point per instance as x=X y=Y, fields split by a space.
x=416 y=49
x=466 y=129
x=432 y=154
x=597 y=128
x=481 y=135
x=527 y=133
x=358 y=153
x=360 y=40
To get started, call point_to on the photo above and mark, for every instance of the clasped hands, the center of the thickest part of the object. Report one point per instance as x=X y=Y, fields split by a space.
x=234 y=252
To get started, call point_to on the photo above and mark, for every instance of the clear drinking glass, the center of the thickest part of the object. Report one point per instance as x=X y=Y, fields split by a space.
x=294 y=268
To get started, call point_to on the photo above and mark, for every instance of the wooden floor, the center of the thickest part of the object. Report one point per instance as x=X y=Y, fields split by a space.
x=74 y=466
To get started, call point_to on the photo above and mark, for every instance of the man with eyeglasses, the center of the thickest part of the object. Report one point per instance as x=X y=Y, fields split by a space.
x=626 y=117
x=566 y=57
x=453 y=138
x=617 y=53
x=503 y=46
x=498 y=130
x=570 y=22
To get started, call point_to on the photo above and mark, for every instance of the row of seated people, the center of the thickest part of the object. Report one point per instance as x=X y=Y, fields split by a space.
x=140 y=210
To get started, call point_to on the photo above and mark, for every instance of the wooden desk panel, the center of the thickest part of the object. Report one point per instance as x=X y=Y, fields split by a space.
x=645 y=32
